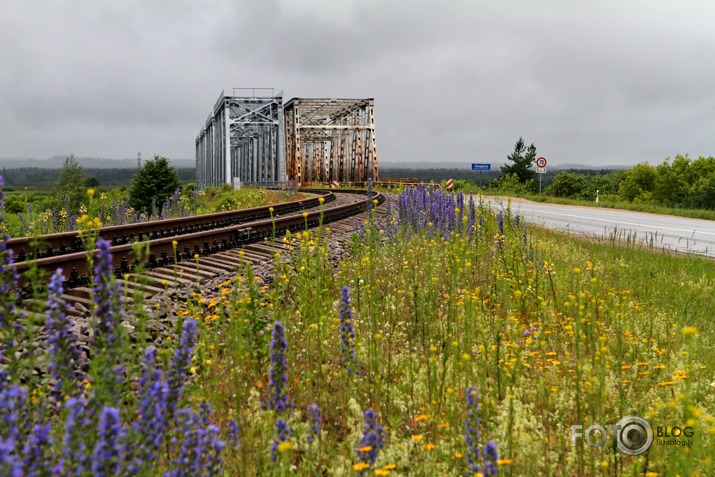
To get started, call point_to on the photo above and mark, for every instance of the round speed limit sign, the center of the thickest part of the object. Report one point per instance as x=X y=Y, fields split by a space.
x=541 y=162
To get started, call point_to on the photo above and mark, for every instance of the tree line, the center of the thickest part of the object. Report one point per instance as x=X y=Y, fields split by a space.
x=679 y=183
x=148 y=189
x=111 y=177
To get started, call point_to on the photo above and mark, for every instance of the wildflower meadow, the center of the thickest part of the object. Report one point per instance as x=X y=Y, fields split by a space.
x=454 y=339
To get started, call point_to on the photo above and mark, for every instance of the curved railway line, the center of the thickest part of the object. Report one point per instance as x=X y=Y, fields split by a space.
x=223 y=243
x=52 y=245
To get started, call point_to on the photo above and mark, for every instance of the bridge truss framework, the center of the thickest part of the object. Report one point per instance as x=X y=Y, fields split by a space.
x=330 y=140
x=243 y=137
x=258 y=140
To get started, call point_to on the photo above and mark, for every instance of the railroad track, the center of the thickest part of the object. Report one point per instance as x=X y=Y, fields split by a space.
x=52 y=245
x=214 y=240
x=166 y=283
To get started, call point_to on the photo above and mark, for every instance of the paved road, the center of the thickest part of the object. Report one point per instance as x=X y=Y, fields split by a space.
x=678 y=233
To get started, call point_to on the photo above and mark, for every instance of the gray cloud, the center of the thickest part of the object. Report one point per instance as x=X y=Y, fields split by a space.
x=601 y=83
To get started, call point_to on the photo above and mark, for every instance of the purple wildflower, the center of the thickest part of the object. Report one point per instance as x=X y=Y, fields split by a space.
x=373 y=436
x=472 y=214
x=10 y=463
x=107 y=316
x=477 y=461
x=500 y=235
x=64 y=352
x=180 y=364
x=347 y=332
x=108 y=451
x=434 y=211
x=460 y=201
x=197 y=446
x=282 y=433
x=13 y=403
x=14 y=424
x=471 y=436
x=279 y=399
x=234 y=434
x=315 y=421
x=75 y=454
x=490 y=459
x=151 y=426
x=35 y=457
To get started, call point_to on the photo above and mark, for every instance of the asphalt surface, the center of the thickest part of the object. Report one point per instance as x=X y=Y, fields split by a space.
x=675 y=233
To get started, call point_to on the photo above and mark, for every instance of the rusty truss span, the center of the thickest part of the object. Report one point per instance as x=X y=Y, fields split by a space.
x=256 y=139
x=330 y=140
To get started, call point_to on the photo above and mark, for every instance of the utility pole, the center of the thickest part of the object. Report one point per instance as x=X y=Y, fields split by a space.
x=139 y=160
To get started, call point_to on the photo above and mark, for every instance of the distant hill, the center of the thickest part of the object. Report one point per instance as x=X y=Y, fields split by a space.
x=87 y=162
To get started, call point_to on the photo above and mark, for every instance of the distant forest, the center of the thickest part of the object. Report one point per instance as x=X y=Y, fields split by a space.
x=678 y=183
x=38 y=177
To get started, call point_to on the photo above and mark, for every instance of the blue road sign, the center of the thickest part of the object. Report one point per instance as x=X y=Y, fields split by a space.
x=481 y=167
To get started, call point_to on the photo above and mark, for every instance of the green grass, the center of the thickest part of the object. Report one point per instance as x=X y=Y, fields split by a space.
x=554 y=331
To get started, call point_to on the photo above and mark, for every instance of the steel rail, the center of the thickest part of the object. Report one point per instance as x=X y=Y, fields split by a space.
x=52 y=245
x=165 y=251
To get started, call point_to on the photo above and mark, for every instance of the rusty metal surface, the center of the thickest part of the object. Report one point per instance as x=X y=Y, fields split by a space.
x=70 y=242
x=162 y=251
x=330 y=139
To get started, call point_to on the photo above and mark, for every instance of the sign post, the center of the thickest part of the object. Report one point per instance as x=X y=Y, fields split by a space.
x=481 y=168
x=540 y=169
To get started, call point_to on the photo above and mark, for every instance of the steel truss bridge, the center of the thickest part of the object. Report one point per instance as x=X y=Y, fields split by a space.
x=256 y=139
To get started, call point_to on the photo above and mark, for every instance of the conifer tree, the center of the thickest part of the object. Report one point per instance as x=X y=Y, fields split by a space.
x=155 y=181
x=522 y=159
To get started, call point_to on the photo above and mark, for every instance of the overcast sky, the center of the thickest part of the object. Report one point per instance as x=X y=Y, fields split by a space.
x=589 y=82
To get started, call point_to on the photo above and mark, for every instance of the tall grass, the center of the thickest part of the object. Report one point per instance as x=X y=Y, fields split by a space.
x=454 y=340
x=111 y=409
x=551 y=331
